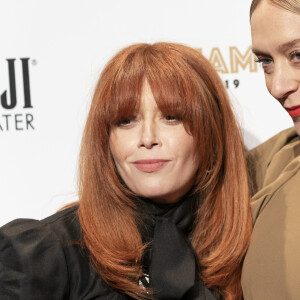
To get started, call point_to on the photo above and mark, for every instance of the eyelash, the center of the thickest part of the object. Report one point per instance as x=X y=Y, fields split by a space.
x=127 y=122
x=294 y=54
x=124 y=122
x=172 y=119
x=263 y=60
x=267 y=61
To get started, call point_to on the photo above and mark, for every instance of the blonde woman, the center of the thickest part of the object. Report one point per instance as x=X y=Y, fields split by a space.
x=272 y=263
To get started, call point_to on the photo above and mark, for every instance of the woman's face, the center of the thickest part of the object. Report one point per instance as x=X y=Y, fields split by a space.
x=153 y=153
x=276 y=43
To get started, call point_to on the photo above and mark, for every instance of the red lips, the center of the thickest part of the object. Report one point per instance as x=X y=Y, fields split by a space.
x=150 y=165
x=294 y=111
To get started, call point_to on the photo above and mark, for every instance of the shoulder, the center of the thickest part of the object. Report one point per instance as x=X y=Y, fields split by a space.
x=276 y=172
x=276 y=212
x=59 y=227
x=277 y=141
x=278 y=151
x=47 y=259
x=32 y=258
x=64 y=224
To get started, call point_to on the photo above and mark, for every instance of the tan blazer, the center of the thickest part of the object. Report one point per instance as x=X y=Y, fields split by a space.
x=271 y=269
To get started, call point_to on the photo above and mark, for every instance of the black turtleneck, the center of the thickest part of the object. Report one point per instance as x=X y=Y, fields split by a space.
x=169 y=261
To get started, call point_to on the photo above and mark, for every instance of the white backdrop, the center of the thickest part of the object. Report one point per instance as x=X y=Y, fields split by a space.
x=65 y=45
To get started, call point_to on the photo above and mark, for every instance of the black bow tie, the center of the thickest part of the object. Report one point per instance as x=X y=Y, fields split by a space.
x=170 y=259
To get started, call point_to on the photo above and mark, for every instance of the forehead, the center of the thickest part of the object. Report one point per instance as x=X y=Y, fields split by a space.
x=146 y=90
x=147 y=98
x=272 y=27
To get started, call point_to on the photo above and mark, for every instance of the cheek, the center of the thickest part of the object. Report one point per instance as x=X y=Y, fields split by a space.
x=268 y=80
x=183 y=144
x=121 y=147
x=116 y=144
x=118 y=156
x=187 y=144
x=268 y=83
x=190 y=158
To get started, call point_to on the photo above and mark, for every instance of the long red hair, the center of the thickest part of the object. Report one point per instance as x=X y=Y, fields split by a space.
x=184 y=84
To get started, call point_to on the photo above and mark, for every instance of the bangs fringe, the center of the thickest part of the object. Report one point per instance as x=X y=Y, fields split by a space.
x=175 y=84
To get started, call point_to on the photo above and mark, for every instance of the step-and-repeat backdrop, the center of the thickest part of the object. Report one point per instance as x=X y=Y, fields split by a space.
x=51 y=54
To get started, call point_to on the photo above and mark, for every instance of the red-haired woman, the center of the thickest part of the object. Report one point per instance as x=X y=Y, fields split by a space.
x=163 y=208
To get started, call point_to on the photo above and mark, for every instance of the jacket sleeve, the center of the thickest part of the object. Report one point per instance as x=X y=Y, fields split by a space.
x=32 y=262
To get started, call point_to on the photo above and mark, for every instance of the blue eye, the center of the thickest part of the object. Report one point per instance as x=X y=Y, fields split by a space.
x=263 y=61
x=295 y=55
x=266 y=63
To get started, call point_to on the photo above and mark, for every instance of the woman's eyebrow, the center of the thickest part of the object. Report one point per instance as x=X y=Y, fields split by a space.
x=288 y=45
x=281 y=48
x=258 y=52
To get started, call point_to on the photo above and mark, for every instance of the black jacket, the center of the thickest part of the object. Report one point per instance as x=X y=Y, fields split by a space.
x=43 y=260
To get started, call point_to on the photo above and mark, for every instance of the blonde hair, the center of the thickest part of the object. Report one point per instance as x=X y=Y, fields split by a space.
x=291 y=5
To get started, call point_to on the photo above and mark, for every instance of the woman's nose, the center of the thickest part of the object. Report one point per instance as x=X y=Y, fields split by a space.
x=282 y=82
x=149 y=135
